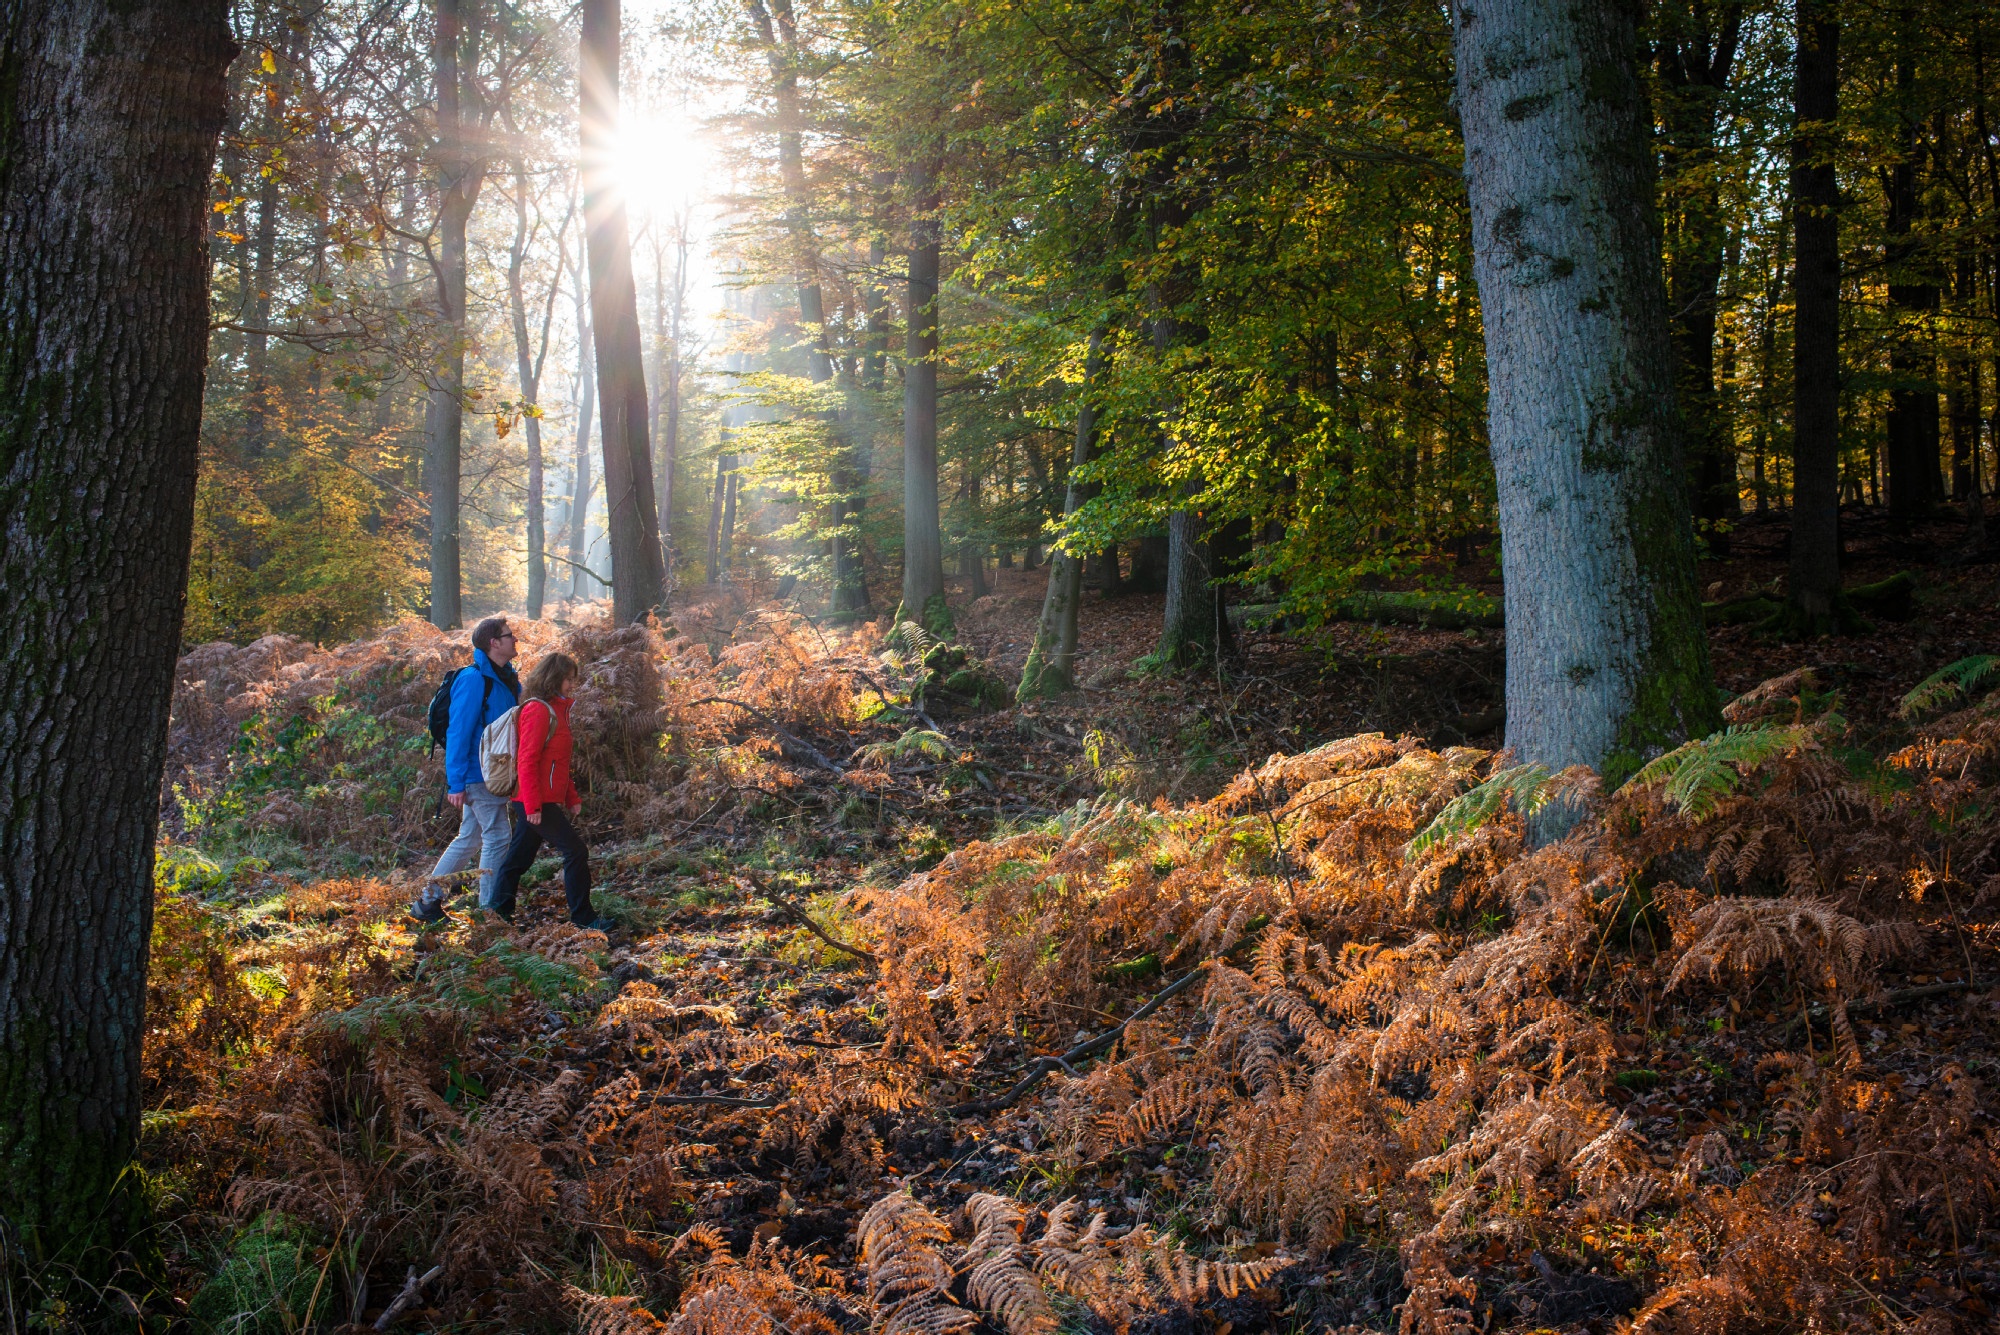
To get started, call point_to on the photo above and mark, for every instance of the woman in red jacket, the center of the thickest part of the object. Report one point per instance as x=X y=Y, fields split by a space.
x=546 y=801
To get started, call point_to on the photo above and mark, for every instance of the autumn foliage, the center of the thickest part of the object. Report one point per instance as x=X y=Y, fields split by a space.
x=1428 y=1077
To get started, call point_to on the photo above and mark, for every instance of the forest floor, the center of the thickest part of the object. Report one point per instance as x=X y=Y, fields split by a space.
x=1717 y=1061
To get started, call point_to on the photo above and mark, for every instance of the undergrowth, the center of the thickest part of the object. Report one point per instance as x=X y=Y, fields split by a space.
x=1716 y=1061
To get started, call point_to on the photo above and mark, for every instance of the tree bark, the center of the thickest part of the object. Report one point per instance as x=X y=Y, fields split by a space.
x=638 y=575
x=461 y=171
x=1814 y=584
x=586 y=414
x=1912 y=434
x=1695 y=63
x=722 y=465
x=112 y=111
x=528 y=370
x=923 y=542
x=1193 y=626
x=1607 y=659
x=1051 y=667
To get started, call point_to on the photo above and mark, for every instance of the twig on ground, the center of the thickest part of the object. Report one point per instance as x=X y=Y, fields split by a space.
x=1902 y=996
x=791 y=910
x=413 y=1292
x=1081 y=1052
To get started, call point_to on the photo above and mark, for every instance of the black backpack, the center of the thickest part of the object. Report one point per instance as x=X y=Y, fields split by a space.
x=439 y=714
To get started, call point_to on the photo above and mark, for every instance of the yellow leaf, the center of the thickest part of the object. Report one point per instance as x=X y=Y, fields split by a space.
x=270 y=61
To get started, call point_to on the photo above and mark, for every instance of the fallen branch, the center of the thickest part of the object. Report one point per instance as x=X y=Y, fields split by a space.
x=1081 y=1052
x=717 y=1100
x=413 y=1291
x=785 y=735
x=1902 y=996
x=791 y=910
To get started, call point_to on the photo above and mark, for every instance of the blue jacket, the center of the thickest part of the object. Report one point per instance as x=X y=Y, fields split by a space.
x=468 y=720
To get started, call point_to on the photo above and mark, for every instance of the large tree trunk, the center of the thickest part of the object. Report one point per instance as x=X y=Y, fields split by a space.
x=1051 y=666
x=638 y=574
x=1607 y=659
x=454 y=56
x=1814 y=585
x=923 y=543
x=1912 y=443
x=111 y=113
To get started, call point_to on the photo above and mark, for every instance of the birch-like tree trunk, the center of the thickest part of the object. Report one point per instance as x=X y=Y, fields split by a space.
x=1607 y=658
x=638 y=574
x=111 y=111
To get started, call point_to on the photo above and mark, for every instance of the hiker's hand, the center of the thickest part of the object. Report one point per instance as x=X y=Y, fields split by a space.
x=456 y=799
x=534 y=817
x=576 y=806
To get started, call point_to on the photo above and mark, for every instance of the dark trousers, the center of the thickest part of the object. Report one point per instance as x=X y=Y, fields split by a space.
x=527 y=840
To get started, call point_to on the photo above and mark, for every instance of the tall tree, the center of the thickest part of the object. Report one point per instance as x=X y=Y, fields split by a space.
x=578 y=523
x=1813 y=592
x=1696 y=54
x=923 y=540
x=1912 y=443
x=638 y=574
x=1051 y=665
x=1607 y=659
x=461 y=167
x=112 y=108
x=529 y=358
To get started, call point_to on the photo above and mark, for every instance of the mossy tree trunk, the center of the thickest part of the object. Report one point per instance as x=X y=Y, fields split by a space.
x=111 y=114
x=1814 y=584
x=1607 y=659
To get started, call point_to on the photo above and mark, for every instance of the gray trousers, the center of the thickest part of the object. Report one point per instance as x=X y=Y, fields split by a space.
x=482 y=829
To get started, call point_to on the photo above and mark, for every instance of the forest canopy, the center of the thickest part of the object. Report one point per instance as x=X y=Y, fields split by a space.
x=1237 y=236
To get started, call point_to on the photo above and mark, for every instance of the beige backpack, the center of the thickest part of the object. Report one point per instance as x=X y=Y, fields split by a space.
x=498 y=746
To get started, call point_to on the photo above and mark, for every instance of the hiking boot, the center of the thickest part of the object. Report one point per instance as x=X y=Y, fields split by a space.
x=429 y=912
x=600 y=925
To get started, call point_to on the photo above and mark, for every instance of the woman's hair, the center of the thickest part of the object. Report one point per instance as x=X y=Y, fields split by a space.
x=546 y=681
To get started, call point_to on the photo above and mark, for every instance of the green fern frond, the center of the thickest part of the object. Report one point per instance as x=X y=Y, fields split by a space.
x=916 y=742
x=1949 y=684
x=1526 y=785
x=1699 y=774
x=913 y=638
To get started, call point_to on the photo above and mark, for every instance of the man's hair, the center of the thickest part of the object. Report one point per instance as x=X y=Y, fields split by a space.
x=488 y=631
x=546 y=681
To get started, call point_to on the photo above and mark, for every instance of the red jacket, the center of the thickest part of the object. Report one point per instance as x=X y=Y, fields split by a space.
x=544 y=755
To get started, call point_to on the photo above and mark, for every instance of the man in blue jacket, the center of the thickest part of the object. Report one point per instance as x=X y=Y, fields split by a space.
x=479 y=695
